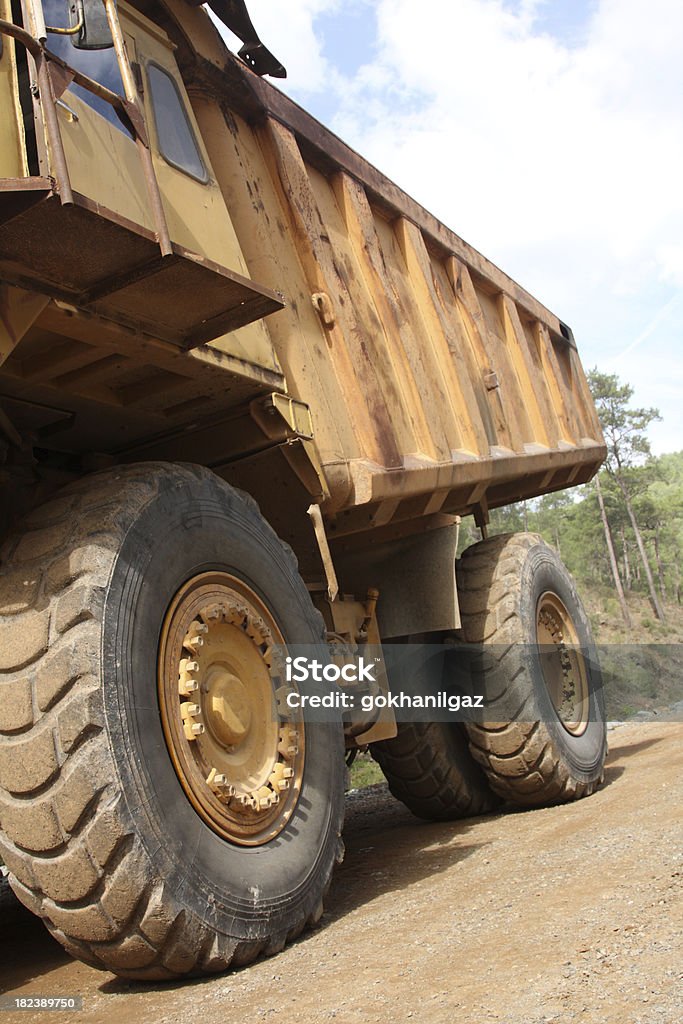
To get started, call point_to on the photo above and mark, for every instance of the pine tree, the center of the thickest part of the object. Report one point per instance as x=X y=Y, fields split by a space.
x=627 y=448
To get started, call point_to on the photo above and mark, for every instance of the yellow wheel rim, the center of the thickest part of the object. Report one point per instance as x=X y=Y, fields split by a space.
x=562 y=662
x=238 y=754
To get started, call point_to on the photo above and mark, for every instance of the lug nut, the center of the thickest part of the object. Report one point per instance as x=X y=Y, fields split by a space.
x=266 y=797
x=219 y=784
x=188 y=710
x=192 y=730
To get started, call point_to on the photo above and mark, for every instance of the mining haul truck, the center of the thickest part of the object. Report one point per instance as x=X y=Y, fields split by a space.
x=248 y=387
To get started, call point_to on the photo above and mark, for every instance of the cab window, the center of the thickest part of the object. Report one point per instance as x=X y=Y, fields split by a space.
x=177 y=143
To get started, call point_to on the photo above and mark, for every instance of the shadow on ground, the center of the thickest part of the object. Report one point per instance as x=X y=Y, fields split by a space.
x=387 y=849
x=28 y=949
x=618 y=752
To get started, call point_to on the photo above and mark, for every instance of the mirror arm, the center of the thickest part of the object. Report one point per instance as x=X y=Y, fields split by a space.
x=65 y=31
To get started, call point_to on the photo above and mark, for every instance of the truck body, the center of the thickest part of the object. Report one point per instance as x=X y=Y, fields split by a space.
x=193 y=270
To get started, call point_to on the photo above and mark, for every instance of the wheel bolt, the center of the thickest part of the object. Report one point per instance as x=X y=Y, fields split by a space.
x=218 y=782
x=188 y=710
x=192 y=730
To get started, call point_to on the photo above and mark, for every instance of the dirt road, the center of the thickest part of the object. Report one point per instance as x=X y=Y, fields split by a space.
x=570 y=915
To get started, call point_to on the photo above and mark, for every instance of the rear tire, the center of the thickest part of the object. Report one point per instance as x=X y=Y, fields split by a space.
x=99 y=834
x=514 y=595
x=430 y=769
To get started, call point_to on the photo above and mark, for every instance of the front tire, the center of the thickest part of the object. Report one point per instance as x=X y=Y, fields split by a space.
x=99 y=826
x=544 y=740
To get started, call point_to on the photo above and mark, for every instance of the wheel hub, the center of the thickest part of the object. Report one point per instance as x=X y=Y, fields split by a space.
x=228 y=712
x=237 y=752
x=562 y=662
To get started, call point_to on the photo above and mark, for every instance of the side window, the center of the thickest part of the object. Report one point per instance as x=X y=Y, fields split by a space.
x=177 y=143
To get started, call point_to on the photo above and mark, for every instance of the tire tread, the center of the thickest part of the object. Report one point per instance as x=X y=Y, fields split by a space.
x=422 y=772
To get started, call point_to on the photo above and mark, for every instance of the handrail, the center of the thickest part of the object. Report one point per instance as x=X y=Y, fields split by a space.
x=8 y=28
x=130 y=89
x=127 y=109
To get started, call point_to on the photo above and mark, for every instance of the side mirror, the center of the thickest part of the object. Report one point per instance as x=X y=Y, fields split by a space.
x=89 y=18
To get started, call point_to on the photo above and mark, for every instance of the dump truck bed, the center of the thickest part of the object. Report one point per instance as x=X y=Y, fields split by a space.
x=436 y=383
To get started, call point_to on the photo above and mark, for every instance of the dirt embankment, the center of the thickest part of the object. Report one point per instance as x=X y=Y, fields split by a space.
x=570 y=915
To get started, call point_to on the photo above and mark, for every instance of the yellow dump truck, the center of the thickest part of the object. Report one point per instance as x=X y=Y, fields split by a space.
x=247 y=389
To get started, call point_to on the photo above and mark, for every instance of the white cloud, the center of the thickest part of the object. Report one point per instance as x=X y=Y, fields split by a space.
x=670 y=260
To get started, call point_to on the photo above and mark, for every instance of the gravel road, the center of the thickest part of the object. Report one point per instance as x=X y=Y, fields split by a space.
x=569 y=915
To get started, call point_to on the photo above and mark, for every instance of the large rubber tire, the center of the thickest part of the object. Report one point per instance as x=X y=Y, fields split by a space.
x=531 y=759
x=430 y=769
x=97 y=832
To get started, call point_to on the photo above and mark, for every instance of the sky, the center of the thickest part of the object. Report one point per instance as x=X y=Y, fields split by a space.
x=546 y=133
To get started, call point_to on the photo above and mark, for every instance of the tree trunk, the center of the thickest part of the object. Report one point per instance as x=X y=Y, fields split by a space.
x=627 y=563
x=654 y=596
x=660 y=568
x=612 y=557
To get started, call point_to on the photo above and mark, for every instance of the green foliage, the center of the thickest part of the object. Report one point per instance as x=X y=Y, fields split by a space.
x=640 y=676
x=364 y=772
x=510 y=519
x=624 y=428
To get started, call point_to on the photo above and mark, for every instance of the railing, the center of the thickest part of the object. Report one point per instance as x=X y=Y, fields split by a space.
x=54 y=76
